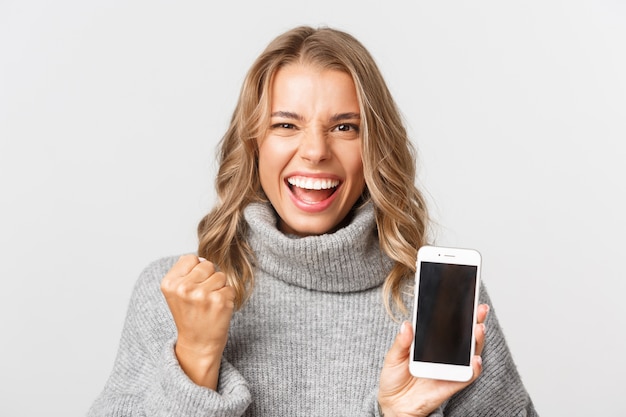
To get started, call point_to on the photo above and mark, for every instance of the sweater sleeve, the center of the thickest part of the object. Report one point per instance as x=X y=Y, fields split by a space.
x=499 y=390
x=147 y=379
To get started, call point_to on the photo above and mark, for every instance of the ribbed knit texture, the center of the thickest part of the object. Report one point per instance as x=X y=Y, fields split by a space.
x=348 y=260
x=310 y=341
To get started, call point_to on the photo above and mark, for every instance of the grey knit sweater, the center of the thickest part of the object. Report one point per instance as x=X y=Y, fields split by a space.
x=310 y=341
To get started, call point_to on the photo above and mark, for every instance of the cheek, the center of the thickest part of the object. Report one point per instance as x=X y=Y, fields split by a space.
x=271 y=163
x=266 y=172
x=262 y=165
x=354 y=166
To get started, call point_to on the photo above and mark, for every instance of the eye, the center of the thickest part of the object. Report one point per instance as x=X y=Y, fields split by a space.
x=347 y=127
x=346 y=131
x=283 y=126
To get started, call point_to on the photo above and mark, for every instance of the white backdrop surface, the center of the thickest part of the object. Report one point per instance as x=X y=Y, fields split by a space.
x=110 y=113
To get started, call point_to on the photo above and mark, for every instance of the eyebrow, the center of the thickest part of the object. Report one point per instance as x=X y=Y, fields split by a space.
x=287 y=115
x=345 y=116
x=335 y=118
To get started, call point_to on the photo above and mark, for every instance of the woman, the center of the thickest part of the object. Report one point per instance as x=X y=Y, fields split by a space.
x=305 y=264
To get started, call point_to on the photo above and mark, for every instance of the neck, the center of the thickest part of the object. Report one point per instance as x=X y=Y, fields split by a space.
x=346 y=260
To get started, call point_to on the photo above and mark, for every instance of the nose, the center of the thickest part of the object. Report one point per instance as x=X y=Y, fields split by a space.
x=314 y=146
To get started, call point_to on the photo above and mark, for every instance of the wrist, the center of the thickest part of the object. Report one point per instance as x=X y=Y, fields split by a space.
x=389 y=407
x=381 y=413
x=202 y=366
x=383 y=409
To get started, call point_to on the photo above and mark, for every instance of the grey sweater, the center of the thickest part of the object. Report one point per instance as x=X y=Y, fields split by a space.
x=310 y=341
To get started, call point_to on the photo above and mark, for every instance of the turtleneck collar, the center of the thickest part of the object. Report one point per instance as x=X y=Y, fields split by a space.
x=347 y=260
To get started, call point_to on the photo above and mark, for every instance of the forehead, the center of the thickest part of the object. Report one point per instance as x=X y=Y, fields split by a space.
x=312 y=88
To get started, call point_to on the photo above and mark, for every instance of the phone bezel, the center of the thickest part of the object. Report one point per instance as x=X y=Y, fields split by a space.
x=455 y=256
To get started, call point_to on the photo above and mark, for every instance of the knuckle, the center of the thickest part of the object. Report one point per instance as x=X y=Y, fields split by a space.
x=219 y=301
x=219 y=277
x=196 y=295
x=167 y=286
x=215 y=298
x=231 y=293
x=181 y=290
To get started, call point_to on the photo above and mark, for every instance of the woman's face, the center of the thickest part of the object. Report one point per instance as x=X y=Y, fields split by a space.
x=310 y=163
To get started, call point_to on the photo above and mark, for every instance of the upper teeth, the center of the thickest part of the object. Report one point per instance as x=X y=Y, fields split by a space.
x=313 y=183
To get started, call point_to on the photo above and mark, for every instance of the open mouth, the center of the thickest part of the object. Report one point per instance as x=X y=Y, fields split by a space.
x=312 y=190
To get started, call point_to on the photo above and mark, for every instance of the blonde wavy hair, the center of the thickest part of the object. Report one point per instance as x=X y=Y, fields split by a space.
x=388 y=161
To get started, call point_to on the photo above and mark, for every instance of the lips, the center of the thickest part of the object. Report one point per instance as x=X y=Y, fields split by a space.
x=312 y=190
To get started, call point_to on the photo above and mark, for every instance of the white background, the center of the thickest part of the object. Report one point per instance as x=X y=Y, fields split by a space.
x=110 y=113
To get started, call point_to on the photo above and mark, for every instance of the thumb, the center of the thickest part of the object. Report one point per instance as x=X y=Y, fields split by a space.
x=399 y=351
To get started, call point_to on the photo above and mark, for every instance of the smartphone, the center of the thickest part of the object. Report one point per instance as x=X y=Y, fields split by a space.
x=444 y=312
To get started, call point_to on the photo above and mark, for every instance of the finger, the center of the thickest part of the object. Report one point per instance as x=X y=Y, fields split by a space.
x=477 y=367
x=398 y=354
x=481 y=313
x=479 y=332
x=183 y=266
x=206 y=293
x=201 y=272
x=215 y=282
x=178 y=272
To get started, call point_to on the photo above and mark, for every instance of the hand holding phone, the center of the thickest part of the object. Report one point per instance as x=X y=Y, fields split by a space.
x=401 y=393
x=444 y=313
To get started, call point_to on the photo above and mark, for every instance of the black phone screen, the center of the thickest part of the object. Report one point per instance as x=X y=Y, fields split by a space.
x=445 y=305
